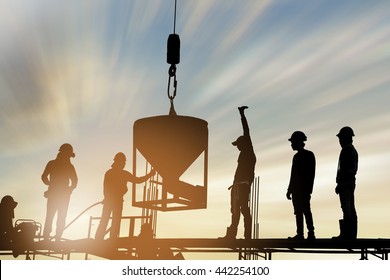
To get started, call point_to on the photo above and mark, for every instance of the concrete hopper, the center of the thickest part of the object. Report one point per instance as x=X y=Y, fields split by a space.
x=171 y=144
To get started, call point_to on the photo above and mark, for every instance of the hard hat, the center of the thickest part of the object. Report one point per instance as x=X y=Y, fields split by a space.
x=67 y=149
x=120 y=157
x=346 y=131
x=9 y=201
x=298 y=136
x=239 y=140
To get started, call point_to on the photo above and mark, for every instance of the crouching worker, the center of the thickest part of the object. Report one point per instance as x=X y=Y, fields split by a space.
x=7 y=214
x=19 y=238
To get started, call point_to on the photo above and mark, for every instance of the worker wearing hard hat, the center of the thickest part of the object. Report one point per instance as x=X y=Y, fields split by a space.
x=60 y=175
x=115 y=187
x=346 y=183
x=7 y=206
x=243 y=179
x=301 y=183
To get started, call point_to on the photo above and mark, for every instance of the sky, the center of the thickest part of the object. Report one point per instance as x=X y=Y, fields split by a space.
x=82 y=72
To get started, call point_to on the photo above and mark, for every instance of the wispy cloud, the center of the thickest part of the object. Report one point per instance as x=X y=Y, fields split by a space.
x=84 y=71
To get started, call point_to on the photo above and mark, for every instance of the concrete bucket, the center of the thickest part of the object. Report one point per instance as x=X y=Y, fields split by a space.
x=171 y=144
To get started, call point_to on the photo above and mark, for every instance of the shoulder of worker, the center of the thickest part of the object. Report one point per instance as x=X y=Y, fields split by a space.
x=50 y=163
x=349 y=149
x=123 y=173
x=309 y=153
x=304 y=155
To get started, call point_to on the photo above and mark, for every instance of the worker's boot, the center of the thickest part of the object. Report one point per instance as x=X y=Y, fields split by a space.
x=299 y=223
x=248 y=228
x=342 y=235
x=311 y=235
x=310 y=226
x=354 y=230
x=351 y=230
x=296 y=237
x=248 y=232
x=230 y=234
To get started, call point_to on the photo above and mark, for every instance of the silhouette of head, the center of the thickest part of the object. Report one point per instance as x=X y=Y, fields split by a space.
x=67 y=149
x=345 y=136
x=8 y=202
x=239 y=143
x=119 y=160
x=297 y=140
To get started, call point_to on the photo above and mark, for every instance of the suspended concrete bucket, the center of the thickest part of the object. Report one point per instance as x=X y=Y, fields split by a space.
x=170 y=144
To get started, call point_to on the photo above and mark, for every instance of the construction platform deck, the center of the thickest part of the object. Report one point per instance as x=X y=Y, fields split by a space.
x=130 y=248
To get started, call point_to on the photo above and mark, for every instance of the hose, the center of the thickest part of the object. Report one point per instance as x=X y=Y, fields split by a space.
x=93 y=205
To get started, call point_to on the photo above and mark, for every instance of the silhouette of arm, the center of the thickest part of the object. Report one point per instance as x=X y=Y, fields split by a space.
x=348 y=165
x=141 y=179
x=46 y=173
x=302 y=173
x=244 y=122
x=73 y=178
x=106 y=188
x=311 y=172
x=289 y=188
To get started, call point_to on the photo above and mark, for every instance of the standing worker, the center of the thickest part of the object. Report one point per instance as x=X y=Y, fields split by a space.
x=115 y=187
x=60 y=175
x=243 y=178
x=346 y=183
x=301 y=183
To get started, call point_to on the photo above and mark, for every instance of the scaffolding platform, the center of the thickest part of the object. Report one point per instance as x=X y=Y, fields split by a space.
x=128 y=248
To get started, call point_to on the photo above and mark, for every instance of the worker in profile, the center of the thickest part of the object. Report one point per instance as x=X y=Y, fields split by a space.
x=60 y=175
x=19 y=238
x=346 y=183
x=301 y=183
x=243 y=178
x=7 y=214
x=114 y=188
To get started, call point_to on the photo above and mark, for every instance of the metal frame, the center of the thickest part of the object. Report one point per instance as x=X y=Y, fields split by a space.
x=162 y=200
x=124 y=247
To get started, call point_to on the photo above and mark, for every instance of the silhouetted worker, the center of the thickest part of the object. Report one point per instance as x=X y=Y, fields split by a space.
x=7 y=214
x=115 y=187
x=301 y=183
x=60 y=175
x=346 y=182
x=243 y=178
x=21 y=237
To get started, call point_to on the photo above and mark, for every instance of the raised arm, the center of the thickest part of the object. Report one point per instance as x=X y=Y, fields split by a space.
x=244 y=122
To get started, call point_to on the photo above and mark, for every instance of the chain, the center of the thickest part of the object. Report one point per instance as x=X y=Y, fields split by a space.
x=172 y=75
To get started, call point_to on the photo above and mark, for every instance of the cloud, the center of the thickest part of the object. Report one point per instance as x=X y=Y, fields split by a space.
x=84 y=71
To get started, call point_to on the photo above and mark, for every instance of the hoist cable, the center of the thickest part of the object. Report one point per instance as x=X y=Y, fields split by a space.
x=173 y=58
x=174 y=19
